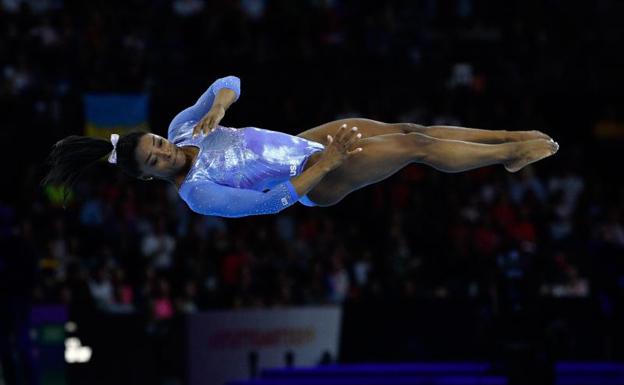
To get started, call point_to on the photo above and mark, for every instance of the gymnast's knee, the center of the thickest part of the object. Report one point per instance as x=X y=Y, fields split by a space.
x=408 y=128
x=330 y=190
x=419 y=145
x=325 y=200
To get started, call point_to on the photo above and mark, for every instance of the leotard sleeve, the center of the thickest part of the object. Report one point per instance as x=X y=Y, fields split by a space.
x=209 y=198
x=186 y=120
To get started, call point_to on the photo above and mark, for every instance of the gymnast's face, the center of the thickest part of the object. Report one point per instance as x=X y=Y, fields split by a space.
x=158 y=157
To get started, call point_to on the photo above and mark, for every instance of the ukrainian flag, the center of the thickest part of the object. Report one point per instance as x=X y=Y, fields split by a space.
x=107 y=114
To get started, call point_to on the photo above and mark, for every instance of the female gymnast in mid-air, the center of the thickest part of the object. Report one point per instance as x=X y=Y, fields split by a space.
x=231 y=172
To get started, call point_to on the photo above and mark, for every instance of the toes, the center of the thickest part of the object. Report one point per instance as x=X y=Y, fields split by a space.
x=540 y=134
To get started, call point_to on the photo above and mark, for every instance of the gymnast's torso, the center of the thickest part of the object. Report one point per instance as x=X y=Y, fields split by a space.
x=247 y=158
x=238 y=171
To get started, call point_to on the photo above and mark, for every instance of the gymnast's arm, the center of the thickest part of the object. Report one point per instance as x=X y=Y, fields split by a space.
x=184 y=121
x=209 y=198
x=225 y=97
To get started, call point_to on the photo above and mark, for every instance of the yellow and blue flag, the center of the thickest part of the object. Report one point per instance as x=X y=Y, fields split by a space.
x=107 y=114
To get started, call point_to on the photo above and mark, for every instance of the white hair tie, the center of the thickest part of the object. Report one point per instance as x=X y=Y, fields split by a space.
x=113 y=156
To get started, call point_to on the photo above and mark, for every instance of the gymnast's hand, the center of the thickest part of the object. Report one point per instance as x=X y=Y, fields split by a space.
x=210 y=120
x=337 y=149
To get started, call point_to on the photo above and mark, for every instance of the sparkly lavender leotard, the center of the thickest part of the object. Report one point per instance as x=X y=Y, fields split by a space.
x=239 y=172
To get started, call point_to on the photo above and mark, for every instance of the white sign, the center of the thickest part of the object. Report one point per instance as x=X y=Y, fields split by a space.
x=222 y=342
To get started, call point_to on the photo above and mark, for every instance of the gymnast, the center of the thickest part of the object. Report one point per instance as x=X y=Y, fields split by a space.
x=230 y=172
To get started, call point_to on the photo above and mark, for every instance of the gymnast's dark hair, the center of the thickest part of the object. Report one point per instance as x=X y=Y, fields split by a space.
x=71 y=156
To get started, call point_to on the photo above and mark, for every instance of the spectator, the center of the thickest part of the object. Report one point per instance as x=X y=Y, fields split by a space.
x=159 y=245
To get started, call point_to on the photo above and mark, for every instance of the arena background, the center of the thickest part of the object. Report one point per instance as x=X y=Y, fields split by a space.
x=521 y=271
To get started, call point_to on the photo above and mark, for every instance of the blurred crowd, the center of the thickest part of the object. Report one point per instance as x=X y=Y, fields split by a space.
x=124 y=246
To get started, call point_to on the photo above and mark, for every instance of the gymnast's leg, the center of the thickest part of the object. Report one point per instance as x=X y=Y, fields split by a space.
x=384 y=155
x=368 y=128
x=475 y=135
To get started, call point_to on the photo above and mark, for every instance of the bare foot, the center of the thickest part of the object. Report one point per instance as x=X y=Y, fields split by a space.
x=530 y=151
x=520 y=136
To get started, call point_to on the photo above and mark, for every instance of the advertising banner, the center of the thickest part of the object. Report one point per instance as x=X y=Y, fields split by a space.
x=235 y=345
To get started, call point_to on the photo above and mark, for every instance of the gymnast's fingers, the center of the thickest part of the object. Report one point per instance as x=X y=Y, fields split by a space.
x=352 y=133
x=354 y=137
x=349 y=134
x=359 y=149
x=210 y=125
x=342 y=131
x=196 y=129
